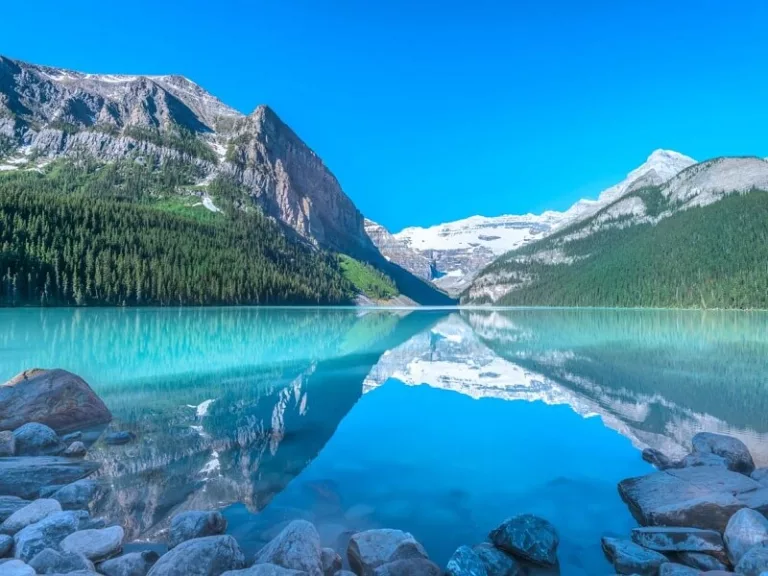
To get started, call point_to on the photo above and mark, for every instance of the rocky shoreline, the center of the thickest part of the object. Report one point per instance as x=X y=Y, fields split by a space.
x=704 y=514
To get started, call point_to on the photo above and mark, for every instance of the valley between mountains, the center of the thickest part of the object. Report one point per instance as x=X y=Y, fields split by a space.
x=147 y=190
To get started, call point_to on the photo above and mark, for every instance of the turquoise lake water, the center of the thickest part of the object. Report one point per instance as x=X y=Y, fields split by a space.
x=438 y=422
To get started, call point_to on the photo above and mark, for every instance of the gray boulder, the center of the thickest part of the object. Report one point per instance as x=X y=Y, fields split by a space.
x=209 y=556
x=373 y=548
x=264 y=570
x=700 y=561
x=75 y=450
x=297 y=547
x=696 y=459
x=35 y=439
x=50 y=561
x=671 y=569
x=658 y=459
x=16 y=568
x=757 y=500
x=95 y=544
x=71 y=437
x=119 y=438
x=77 y=495
x=754 y=562
x=47 y=533
x=330 y=561
x=55 y=398
x=25 y=476
x=6 y=545
x=465 y=562
x=31 y=513
x=9 y=505
x=496 y=562
x=745 y=529
x=734 y=451
x=345 y=573
x=408 y=567
x=678 y=539
x=760 y=475
x=528 y=537
x=629 y=558
x=133 y=564
x=7 y=444
x=195 y=524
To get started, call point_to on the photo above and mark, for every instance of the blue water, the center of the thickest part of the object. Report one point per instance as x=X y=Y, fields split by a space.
x=438 y=422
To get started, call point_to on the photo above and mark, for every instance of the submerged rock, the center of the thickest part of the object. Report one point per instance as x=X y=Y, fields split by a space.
x=371 y=549
x=408 y=567
x=264 y=570
x=209 y=556
x=671 y=569
x=745 y=529
x=678 y=539
x=55 y=398
x=118 y=438
x=296 y=547
x=195 y=524
x=330 y=561
x=25 y=476
x=31 y=513
x=760 y=475
x=465 y=562
x=657 y=458
x=700 y=561
x=629 y=558
x=35 y=439
x=77 y=495
x=6 y=544
x=9 y=505
x=528 y=537
x=692 y=460
x=133 y=564
x=733 y=450
x=47 y=533
x=496 y=562
x=75 y=450
x=95 y=544
x=50 y=561
x=7 y=444
x=754 y=562
x=16 y=568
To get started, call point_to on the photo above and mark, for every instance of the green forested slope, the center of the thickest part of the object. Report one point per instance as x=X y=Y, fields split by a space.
x=705 y=257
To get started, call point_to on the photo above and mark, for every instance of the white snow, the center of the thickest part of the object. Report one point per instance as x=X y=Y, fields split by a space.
x=201 y=409
x=208 y=203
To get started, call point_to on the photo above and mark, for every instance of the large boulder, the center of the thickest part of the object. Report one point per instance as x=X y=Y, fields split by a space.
x=195 y=524
x=47 y=533
x=408 y=567
x=703 y=497
x=7 y=444
x=9 y=505
x=700 y=561
x=264 y=570
x=330 y=561
x=50 y=561
x=528 y=537
x=629 y=558
x=754 y=562
x=55 y=398
x=496 y=562
x=26 y=476
x=35 y=439
x=760 y=475
x=209 y=556
x=373 y=548
x=757 y=500
x=75 y=450
x=678 y=539
x=297 y=547
x=31 y=513
x=133 y=564
x=658 y=459
x=6 y=545
x=77 y=495
x=745 y=529
x=95 y=544
x=119 y=438
x=733 y=450
x=672 y=569
x=16 y=568
x=465 y=562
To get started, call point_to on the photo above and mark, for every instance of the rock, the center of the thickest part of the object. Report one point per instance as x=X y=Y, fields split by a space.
x=671 y=569
x=296 y=547
x=629 y=558
x=118 y=438
x=7 y=444
x=95 y=544
x=265 y=570
x=677 y=539
x=35 y=439
x=208 y=556
x=47 y=533
x=373 y=548
x=700 y=561
x=75 y=450
x=703 y=497
x=345 y=573
x=71 y=437
x=757 y=500
x=408 y=567
x=745 y=529
x=465 y=562
x=330 y=561
x=733 y=450
x=657 y=458
x=195 y=524
x=55 y=398
x=754 y=562
x=9 y=505
x=760 y=475
x=528 y=537
x=496 y=562
x=16 y=568
x=6 y=544
x=133 y=564
x=31 y=513
x=50 y=561
x=25 y=476
x=692 y=460
x=77 y=495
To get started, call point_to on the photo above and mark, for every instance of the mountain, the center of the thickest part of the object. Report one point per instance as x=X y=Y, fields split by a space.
x=458 y=250
x=696 y=239
x=203 y=150
x=398 y=251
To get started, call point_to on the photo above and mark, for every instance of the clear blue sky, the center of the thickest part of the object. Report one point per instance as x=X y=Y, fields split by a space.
x=435 y=110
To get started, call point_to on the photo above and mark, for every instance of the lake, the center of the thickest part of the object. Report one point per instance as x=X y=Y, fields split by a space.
x=438 y=422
